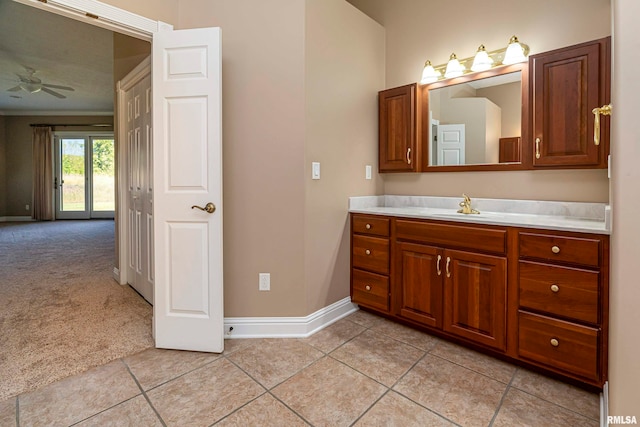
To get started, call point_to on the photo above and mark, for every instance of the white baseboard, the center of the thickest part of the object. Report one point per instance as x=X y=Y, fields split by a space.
x=15 y=218
x=287 y=327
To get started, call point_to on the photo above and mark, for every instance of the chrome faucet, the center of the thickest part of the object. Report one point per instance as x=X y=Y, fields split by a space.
x=466 y=206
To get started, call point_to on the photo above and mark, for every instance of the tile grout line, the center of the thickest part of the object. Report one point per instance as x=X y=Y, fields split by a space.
x=18 y=411
x=504 y=395
x=144 y=394
x=428 y=352
x=370 y=407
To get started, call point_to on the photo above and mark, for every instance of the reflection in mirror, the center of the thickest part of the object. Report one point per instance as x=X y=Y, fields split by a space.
x=471 y=121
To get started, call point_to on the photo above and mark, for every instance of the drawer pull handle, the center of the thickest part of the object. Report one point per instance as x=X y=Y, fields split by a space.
x=555 y=249
x=555 y=342
x=368 y=252
x=368 y=287
x=555 y=288
x=438 y=265
x=447 y=267
x=368 y=226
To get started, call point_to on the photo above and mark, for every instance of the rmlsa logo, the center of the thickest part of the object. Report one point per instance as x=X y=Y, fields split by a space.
x=620 y=419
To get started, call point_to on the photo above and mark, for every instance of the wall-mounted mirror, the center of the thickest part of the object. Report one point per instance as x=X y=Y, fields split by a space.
x=476 y=120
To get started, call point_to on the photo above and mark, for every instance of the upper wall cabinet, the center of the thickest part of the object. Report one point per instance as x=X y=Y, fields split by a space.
x=533 y=115
x=398 y=148
x=566 y=85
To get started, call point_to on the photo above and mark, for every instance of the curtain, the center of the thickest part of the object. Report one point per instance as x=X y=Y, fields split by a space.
x=42 y=173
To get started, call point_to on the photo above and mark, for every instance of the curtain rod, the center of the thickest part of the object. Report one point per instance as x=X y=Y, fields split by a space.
x=97 y=125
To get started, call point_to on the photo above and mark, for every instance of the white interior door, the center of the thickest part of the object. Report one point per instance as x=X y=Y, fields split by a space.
x=139 y=188
x=187 y=163
x=451 y=144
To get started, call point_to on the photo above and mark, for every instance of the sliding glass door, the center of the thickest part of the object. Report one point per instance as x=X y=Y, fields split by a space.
x=85 y=179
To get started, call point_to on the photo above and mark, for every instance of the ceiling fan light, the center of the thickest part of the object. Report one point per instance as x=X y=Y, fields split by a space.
x=31 y=87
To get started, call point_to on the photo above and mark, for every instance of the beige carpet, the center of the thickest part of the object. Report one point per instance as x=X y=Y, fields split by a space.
x=61 y=311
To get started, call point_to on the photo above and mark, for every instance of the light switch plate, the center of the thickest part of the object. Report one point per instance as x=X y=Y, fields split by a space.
x=315 y=170
x=367 y=172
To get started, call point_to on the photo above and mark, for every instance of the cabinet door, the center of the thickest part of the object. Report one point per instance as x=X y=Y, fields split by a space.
x=566 y=85
x=419 y=270
x=397 y=131
x=475 y=297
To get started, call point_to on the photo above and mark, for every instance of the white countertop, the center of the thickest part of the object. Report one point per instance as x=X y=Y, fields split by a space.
x=564 y=216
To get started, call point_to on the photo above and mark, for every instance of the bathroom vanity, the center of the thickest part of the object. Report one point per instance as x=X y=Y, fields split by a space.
x=522 y=280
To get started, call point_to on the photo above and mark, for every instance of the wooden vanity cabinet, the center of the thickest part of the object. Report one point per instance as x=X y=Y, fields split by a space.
x=398 y=130
x=566 y=85
x=538 y=297
x=562 y=302
x=370 y=261
x=443 y=280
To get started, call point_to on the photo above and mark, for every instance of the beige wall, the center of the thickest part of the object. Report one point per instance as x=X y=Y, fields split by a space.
x=263 y=150
x=344 y=66
x=509 y=98
x=278 y=116
x=418 y=30
x=624 y=345
x=19 y=151
x=158 y=10
x=3 y=168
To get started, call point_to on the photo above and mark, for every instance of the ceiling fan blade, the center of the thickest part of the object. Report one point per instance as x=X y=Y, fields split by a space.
x=14 y=89
x=58 y=87
x=54 y=93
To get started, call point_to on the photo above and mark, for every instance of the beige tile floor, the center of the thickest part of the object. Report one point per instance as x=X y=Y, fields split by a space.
x=360 y=371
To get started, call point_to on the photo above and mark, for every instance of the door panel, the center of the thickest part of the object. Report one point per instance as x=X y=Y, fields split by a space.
x=419 y=269
x=187 y=163
x=475 y=297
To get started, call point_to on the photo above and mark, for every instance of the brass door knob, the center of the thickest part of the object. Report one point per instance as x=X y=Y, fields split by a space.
x=555 y=288
x=368 y=252
x=554 y=342
x=555 y=250
x=208 y=208
x=368 y=287
x=368 y=226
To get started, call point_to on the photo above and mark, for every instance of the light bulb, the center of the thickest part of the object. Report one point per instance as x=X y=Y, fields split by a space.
x=482 y=61
x=514 y=53
x=429 y=74
x=454 y=67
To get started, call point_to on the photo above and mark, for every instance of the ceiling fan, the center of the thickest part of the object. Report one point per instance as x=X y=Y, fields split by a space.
x=32 y=84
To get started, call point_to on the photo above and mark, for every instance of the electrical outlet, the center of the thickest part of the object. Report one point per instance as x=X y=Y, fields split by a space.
x=264 y=281
x=26 y=207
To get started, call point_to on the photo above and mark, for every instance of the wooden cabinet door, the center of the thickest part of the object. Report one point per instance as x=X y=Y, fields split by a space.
x=567 y=84
x=419 y=271
x=475 y=297
x=397 y=129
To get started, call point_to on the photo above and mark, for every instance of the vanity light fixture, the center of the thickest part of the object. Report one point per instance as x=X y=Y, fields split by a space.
x=482 y=61
x=513 y=53
x=454 y=67
x=429 y=74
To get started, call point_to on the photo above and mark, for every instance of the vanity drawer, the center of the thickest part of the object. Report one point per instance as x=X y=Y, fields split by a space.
x=363 y=224
x=480 y=238
x=563 y=291
x=559 y=344
x=370 y=289
x=371 y=253
x=575 y=250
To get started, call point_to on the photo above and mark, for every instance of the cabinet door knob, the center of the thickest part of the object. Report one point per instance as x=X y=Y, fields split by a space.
x=555 y=342
x=555 y=249
x=368 y=287
x=368 y=226
x=368 y=252
x=555 y=288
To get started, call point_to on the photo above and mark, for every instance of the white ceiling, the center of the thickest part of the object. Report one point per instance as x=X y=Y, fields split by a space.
x=63 y=52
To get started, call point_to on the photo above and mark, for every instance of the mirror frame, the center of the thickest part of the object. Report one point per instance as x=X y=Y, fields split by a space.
x=423 y=117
